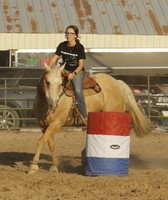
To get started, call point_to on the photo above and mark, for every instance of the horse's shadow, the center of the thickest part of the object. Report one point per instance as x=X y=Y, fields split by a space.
x=11 y=158
x=65 y=162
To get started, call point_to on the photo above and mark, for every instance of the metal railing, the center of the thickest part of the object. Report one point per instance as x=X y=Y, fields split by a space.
x=151 y=98
x=16 y=104
x=16 y=109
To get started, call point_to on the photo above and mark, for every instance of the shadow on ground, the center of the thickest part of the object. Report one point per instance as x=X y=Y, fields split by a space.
x=66 y=163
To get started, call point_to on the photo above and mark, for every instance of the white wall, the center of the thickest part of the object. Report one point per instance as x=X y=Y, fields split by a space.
x=50 y=41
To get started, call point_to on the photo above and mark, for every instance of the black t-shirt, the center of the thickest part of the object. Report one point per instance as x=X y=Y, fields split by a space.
x=71 y=55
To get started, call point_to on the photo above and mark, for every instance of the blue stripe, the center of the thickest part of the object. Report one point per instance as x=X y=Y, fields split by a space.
x=106 y=166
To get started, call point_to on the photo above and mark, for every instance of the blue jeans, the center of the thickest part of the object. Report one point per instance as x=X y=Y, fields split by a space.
x=77 y=82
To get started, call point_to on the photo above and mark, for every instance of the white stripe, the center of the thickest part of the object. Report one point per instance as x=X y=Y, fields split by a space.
x=106 y=146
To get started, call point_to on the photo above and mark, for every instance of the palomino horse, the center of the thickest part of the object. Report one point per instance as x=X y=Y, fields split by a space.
x=52 y=107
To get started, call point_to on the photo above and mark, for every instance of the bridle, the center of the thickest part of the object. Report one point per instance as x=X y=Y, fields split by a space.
x=64 y=88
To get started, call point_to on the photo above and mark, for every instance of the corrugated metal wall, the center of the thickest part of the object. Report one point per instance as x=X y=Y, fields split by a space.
x=123 y=17
x=39 y=24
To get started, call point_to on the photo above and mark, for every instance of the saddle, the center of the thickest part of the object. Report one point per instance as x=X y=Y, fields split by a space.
x=90 y=86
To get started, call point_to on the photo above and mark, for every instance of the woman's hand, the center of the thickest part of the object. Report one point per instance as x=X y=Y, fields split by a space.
x=71 y=76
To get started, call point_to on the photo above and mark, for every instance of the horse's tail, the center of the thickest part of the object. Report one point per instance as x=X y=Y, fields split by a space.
x=141 y=122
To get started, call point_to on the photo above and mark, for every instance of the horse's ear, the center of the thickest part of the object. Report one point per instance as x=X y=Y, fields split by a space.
x=47 y=68
x=62 y=67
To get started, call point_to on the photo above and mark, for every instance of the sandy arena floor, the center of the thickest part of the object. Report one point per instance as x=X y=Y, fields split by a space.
x=147 y=179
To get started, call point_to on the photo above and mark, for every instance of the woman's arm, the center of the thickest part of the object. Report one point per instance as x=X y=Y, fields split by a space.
x=53 y=60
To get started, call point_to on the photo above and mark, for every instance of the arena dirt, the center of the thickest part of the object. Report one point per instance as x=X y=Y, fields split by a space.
x=147 y=179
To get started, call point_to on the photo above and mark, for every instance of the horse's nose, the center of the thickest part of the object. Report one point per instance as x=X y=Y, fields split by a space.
x=50 y=106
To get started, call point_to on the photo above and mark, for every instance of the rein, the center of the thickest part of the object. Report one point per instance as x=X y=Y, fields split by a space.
x=64 y=88
x=43 y=84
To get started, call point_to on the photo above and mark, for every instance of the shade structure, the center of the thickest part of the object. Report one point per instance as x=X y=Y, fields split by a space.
x=108 y=143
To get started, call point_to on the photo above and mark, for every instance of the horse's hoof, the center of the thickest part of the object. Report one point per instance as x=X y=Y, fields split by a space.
x=53 y=168
x=33 y=169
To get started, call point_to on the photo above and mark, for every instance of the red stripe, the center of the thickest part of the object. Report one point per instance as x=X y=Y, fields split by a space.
x=109 y=123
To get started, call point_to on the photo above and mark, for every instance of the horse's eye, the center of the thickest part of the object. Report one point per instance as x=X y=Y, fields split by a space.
x=47 y=83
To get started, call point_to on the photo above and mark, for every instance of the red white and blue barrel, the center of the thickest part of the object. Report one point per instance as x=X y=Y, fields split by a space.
x=108 y=143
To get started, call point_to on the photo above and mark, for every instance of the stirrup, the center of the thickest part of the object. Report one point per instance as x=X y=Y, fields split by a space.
x=85 y=120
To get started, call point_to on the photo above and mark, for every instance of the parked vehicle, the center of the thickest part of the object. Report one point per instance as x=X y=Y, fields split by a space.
x=17 y=92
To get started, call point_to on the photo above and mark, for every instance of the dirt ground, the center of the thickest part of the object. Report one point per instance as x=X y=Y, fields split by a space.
x=147 y=179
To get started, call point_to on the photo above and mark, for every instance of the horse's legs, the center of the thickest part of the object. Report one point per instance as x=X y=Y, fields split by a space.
x=49 y=133
x=51 y=144
x=34 y=166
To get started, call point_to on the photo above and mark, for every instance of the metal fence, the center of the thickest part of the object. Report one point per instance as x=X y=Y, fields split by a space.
x=16 y=104
x=150 y=90
x=16 y=101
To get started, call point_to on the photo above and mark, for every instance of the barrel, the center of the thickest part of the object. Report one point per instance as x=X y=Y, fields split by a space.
x=108 y=144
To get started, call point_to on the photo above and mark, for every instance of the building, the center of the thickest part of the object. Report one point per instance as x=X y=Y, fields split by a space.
x=121 y=30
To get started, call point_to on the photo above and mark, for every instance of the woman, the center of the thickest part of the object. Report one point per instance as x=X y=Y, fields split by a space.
x=72 y=52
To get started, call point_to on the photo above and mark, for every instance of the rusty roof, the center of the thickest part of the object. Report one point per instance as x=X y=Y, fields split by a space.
x=122 y=17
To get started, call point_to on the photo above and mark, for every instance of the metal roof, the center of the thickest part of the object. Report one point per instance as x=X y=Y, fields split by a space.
x=121 y=17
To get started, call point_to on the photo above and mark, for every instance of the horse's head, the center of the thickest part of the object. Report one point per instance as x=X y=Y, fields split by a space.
x=53 y=85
